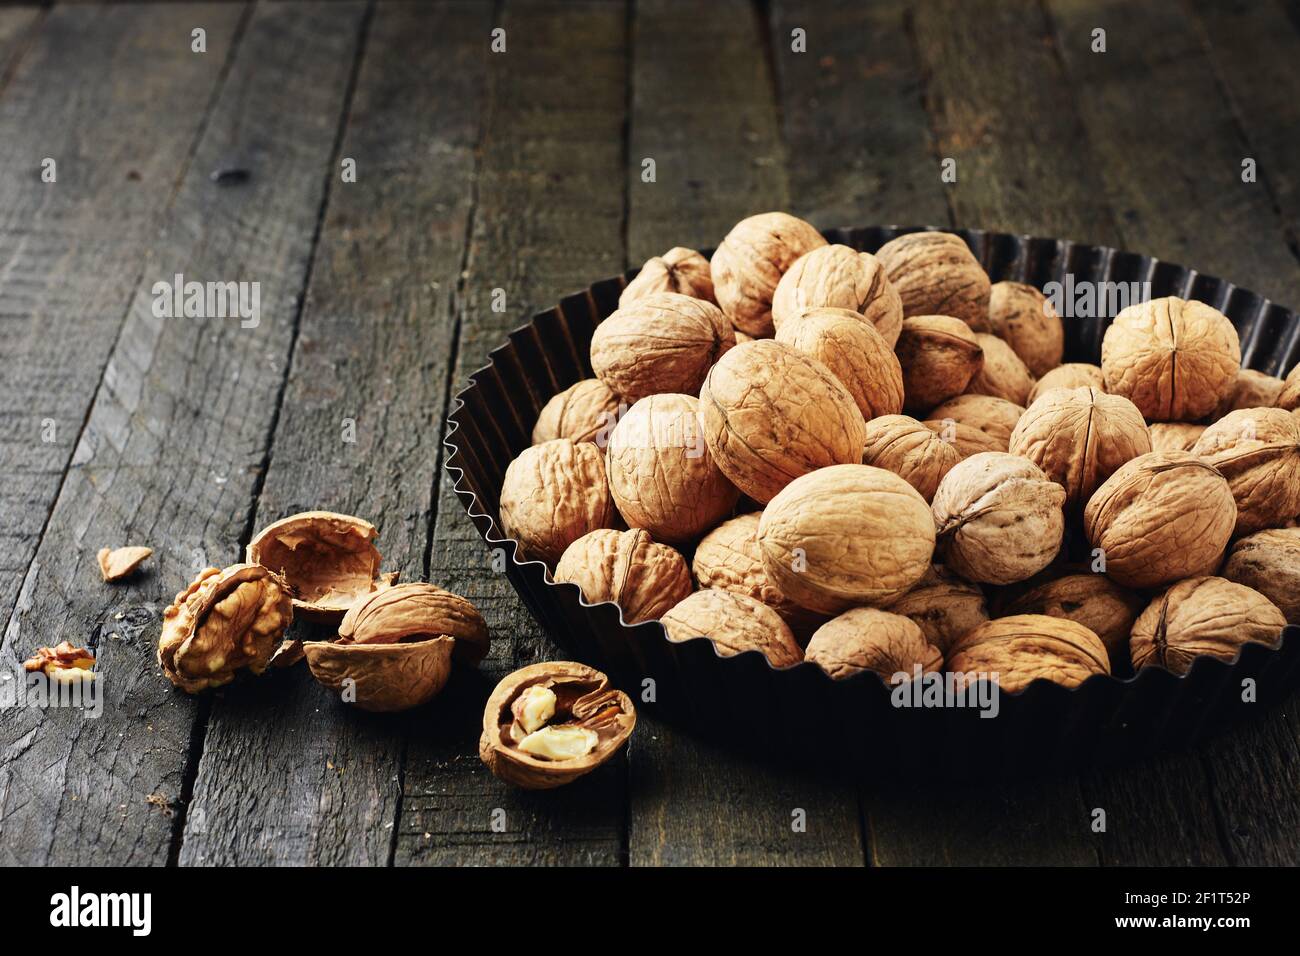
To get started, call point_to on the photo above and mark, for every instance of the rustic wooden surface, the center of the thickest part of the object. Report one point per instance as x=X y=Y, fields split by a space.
x=518 y=176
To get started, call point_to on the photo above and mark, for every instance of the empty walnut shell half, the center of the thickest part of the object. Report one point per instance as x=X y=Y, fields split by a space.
x=1026 y=647
x=1206 y=616
x=328 y=559
x=865 y=639
x=224 y=622
x=548 y=724
x=679 y=270
x=734 y=623
x=630 y=569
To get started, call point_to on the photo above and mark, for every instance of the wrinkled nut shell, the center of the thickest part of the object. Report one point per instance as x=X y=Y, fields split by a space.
x=1094 y=601
x=382 y=677
x=1023 y=317
x=944 y=607
x=865 y=639
x=1258 y=451
x=1174 y=436
x=630 y=569
x=679 y=270
x=966 y=439
x=1070 y=375
x=749 y=263
x=583 y=698
x=845 y=536
x=935 y=273
x=939 y=356
x=1203 y=616
x=855 y=353
x=839 y=277
x=1289 y=397
x=1002 y=374
x=552 y=495
x=1027 y=647
x=585 y=411
x=910 y=450
x=734 y=624
x=417 y=610
x=995 y=417
x=1253 y=390
x=1269 y=562
x=329 y=559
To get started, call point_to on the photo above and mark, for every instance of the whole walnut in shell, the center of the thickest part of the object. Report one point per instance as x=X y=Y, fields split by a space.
x=552 y=495
x=1093 y=600
x=679 y=270
x=1174 y=436
x=995 y=417
x=1176 y=360
x=734 y=623
x=1258 y=451
x=939 y=355
x=839 y=277
x=1203 y=616
x=855 y=353
x=661 y=474
x=1253 y=390
x=865 y=639
x=1070 y=375
x=998 y=518
x=944 y=606
x=844 y=536
x=630 y=569
x=1289 y=397
x=585 y=411
x=1002 y=373
x=1027 y=647
x=1023 y=317
x=772 y=414
x=935 y=273
x=751 y=260
x=966 y=439
x=663 y=342
x=910 y=450
x=1079 y=437
x=1269 y=562
x=1161 y=517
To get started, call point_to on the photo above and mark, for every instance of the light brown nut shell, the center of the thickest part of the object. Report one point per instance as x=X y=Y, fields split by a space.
x=910 y=450
x=1174 y=436
x=966 y=439
x=995 y=417
x=1289 y=397
x=552 y=495
x=944 y=606
x=328 y=559
x=855 y=353
x=1093 y=600
x=1003 y=374
x=839 y=277
x=1269 y=562
x=1070 y=375
x=417 y=611
x=585 y=411
x=845 y=536
x=583 y=697
x=1023 y=317
x=1253 y=390
x=772 y=414
x=734 y=623
x=939 y=356
x=1161 y=517
x=630 y=569
x=750 y=261
x=865 y=639
x=1258 y=451
x=1026 y=647
x=224 y=622
x=998 y=518
x=659 y=343
x=1203 y=616
x=679 y=270
x=1176 y=360
x=661 y=473
x=382 y=677
x=118 y=563
x=935 y=273
x=1079 y=437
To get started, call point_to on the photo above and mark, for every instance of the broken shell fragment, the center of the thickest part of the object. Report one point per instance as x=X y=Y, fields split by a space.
x=118 y=563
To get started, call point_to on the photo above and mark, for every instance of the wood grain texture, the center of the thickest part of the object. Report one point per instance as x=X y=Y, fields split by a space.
x=17 y=26
x=549 y=220
x=171 y=454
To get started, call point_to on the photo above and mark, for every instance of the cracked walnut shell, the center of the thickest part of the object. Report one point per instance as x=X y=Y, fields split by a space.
x=939 y=356
x=1023 y=317
x=733 y=623
x=855 y=353
x=644 y=578
x=839 y=277
x=1027 y=647
x=679 y=270
x=1269 y=562
x=910 y=450
x=935 y=273
x=552 y=495
x=750 y=261
x=1258 y=451
x=867 y=639
x=585 y=411
x=1203 y=617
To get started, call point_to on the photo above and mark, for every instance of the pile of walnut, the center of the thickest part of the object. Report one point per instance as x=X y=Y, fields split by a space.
x=875 y=462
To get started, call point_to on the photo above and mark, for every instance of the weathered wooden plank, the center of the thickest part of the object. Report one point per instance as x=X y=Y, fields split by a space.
x=373 y=349
x=172 y=451
x=549 y=221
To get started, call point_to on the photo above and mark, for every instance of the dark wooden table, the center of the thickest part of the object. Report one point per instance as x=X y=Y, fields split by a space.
x=522 y=172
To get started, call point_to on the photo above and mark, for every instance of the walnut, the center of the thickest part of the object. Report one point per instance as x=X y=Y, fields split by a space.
x=1176 y=360
x=1289 y=397
x=1002 y=374
x=1022 y=317
x=939 y=355
x=966 y=439
x=630 y=569
x=1174 y=436
x=1203 y=616
x=844 y=536
x=224 y=622
x=772 y=414
x=1252 y=390
x=910 y=450
x=999 y=519
x=661 y=474
x=1020 y=649
x=1161 y=517
x=944 y=606
x=63 y=663
x=995 y=417
x=585 y=411
x=749 y=263
x=679 y=270
x=1093 y=600
x=854 y=352
x=1269 y=562
x=552 y=495
x=1079 y=436
x=548 y=724
x=663 y=342
x=865 y=639
x=734 y=623
x=841 y=278
x=1258 y=451
x=1070 y=375
x=118 y=563
x=936 y=274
